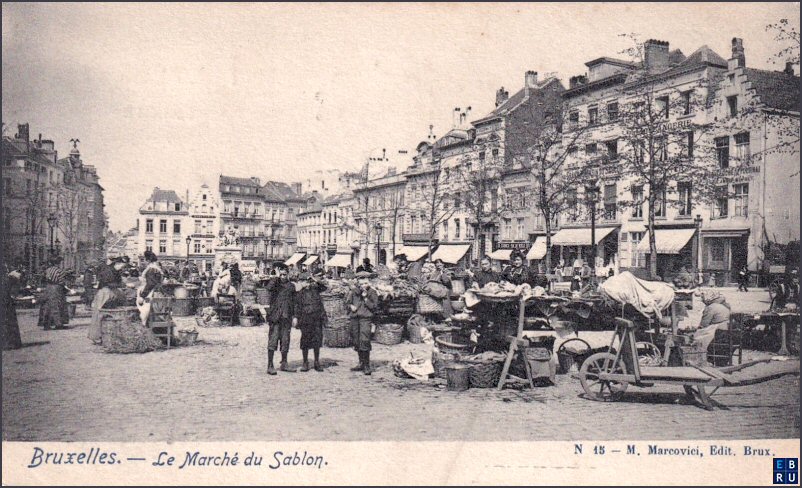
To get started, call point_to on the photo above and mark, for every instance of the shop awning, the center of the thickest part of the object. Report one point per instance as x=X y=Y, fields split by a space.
x=311 y=260
x=294 y=258
x=413 y=253
x=579 y=237
x=725 y=232
x=668 y=241
x=339 y=261
x=538 y=250
x=500 y=254
x=450 y=253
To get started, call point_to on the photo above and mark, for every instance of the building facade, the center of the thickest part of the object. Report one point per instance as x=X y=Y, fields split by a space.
x=203 y=226
x=162 y=225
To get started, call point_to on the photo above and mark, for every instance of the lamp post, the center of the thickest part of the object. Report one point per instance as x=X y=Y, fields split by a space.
x=698 y=247
x=592 y=196
x=188 y=241
x=51 y=221
x=378 y=228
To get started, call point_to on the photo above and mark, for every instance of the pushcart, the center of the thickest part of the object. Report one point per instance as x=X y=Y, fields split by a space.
x=605 y=376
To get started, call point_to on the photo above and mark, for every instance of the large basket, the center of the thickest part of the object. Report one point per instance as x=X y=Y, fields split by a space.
x=187 y=338
x=388 y=334
x=336 y=311
x=183 y=307
x=337 y=337
x=442 y=359
x=400 y=306
x=428 y=305
x=450 y=343
x=485 y=374
x=248 y=298
x=203 y=302
x=123 y=332
x=413 y=333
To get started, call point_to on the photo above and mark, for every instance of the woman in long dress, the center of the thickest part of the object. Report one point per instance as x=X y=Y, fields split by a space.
x=109 y=283
x=54 y=314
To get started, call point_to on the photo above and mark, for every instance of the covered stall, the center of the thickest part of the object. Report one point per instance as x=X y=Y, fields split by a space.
x=674 y=249
x=311 y=260
x=576 y=243
x=295 y=258
x=500 y=255
x=538 y=250
x=451 y=253
x=413 y=253
x=339 y=260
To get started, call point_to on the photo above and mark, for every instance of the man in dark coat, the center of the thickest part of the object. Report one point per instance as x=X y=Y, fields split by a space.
x=282 y=318
x=365 y=266
x=311 y=316
x=484 y=274
x=362 y=302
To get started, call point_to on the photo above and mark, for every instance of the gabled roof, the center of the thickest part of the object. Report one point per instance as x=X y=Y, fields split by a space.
x=278 y=191
x=514 y=101
x=168 y=196
x=608 y=60
x=775 y=89
x=233 y=180
x=13 y=147
x=704 y=55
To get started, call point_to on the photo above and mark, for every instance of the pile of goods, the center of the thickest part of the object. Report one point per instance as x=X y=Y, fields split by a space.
x=122 y=332
x=208 y=318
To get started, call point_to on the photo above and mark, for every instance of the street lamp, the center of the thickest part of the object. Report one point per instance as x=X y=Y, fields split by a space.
x=51 y=220
x=188 y=241
x=378 y=240
x=592 y=196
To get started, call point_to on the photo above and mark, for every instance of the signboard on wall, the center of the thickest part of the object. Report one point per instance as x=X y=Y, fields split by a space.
x=247 y=266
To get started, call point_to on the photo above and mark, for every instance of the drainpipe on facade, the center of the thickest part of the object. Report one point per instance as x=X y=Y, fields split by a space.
x=763 y=190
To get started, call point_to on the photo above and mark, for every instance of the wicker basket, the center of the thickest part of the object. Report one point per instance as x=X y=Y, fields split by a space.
x=442 y=359
x=388 y=334
x=485 y=374
x=246 y=321
x=413 y=333
x=187 y=338
x=248 y=298
x=400 y=306
x=337 y=337
x=183 y=307
x=427 y=304
x=336 y=312
x=447 y=342
x=458 y=305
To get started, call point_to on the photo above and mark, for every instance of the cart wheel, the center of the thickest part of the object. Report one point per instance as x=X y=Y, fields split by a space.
x=596 y=389
x=648 y=354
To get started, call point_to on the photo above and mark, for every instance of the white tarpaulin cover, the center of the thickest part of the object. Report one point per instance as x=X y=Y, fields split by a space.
x=339 y=261
x=450 y=253
x=294 y=258
x=500 y=254
x=310 y=260
x=668 y=241
x=579 y=237
x=648 y=297
x=538 y=250
x=413 y=253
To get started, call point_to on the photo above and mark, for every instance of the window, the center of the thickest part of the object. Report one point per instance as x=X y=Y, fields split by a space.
x=723 y=152
x=519 y=229
x=610 y=205
x=163 y=226
x=662 y=106
x=593 y=115
x=573 y=118
x=660 y=148
x=638 y=258
x=612 y=111
x=612 y=150
x=209 y=226
x=685 y=206
x=457 y=200
x=721 y=203
x=236 y=210
x=204 y=197
x=494 y=152
x=660 y=204
x=176 y=226
x=732 y=103
x=590 y=149
x=742 y=152
x=413 y=224
x=7 y=186
x=177 y=207
x=571 y=204
x=445 y=231
x=685 y=101
x=456 y=229
x=688 y=146
x=149 y=245
x=149 y=226
x=162 y=246
x=177 y=247
x=507 y=229
x=481 y=156
x=741 y=199
x=197 y=247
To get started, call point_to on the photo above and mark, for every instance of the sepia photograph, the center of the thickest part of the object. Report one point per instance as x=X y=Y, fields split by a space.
x=320 y=235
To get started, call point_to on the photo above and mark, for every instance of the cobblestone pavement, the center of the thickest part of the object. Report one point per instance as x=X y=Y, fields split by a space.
x=59 y=387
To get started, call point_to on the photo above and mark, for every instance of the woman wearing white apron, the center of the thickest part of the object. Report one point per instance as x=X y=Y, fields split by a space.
x=151 y=280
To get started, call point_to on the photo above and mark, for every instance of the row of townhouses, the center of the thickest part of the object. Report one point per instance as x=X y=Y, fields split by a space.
x=50 y=204
x=588 y=153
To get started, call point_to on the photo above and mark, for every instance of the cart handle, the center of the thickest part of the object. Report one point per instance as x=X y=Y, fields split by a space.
x=628 y=324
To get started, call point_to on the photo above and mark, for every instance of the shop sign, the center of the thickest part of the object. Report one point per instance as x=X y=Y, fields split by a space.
x=247 y=266
x=678 y=125
x=521 y=246
x=739 y=173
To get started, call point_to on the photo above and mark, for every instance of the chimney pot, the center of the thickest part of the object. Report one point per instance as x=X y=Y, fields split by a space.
x=789 y=68
x=738 y=59
x=501 y=96
x=655 y=54
x=530 y=79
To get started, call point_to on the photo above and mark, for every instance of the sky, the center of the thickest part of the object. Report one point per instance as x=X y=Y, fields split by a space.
x=173 y=95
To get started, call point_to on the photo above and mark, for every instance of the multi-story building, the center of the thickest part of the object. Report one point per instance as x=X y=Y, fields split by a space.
x=704 y=95
x=280 y=225
x=379 y=216
x=243 y=211
x=49 y=204
x=310 y=232
x=162 y=225
x=203 y=226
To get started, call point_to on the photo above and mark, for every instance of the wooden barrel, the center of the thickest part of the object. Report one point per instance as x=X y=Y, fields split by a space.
x=183 y=307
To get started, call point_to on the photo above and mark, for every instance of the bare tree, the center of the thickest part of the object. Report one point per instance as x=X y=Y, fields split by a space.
x=71 y=215
x=787 y=37
x=436 y=199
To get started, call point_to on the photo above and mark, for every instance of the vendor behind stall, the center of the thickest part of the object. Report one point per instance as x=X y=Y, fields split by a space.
x=517 y=273
x=484 y=274
x=109 y=283
x=715 y=316
x=151 y=286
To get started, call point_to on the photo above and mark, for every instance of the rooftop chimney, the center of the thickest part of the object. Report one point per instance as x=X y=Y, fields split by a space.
x=789 y=68
x=576 y=81
x=297 y=188
x=23 y=133
x=655 y=55
x=502 y=96
x=738 y=59
x=455 y=115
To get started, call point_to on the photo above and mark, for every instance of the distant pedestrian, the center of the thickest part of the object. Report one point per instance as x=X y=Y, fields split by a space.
x=743 y=278
x=53 y=313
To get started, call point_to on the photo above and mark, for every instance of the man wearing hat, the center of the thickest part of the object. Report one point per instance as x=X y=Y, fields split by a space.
x=362 y=302
x=311 y=315
x=365 y=266
x=281 y=317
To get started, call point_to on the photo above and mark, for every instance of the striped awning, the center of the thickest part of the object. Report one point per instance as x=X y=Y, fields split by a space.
x=450 y=253
x=294 y=258
x=311 y=260
x=413 y=253
x=668 y=241
x=500 y=254
x=339 y=261
x=579 y=237
x=538 y=250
